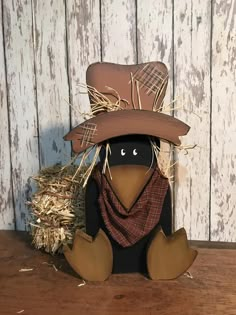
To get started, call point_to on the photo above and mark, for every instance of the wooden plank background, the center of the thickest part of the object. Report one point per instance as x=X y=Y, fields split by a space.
x=6 y=200
x=51 y=80
x=192 y=25
x=22 y=106
x=45 y=48
x=223 y=140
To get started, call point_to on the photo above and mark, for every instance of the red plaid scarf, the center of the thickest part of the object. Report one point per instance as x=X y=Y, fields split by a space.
x=129 y=227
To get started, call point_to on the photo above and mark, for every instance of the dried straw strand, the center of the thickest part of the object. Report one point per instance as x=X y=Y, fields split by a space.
x=132 y=90
x=138 y=94
x=158 y=95
x=106 y=164
x=89 y=170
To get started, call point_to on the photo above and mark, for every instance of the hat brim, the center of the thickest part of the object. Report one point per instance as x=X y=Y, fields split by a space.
x=125 y=122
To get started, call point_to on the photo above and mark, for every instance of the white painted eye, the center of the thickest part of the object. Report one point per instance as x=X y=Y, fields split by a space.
x=122 y=152
x=135 y=152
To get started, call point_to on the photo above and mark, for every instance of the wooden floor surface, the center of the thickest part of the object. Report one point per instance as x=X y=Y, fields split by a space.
x=52 y=288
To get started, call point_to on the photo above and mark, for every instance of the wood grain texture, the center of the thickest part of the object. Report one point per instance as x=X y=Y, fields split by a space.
x=223 y=163
x=154 y=33
x=44 y=290
x=22 y=105
x=52 y=81
x=154 y=42
x=6 y=204
x=118 y=31
x=83 y=29
x=154 y=36
x=192 y=88
x=48 y=48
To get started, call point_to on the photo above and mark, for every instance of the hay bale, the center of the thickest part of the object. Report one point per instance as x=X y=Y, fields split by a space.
x=57 y=207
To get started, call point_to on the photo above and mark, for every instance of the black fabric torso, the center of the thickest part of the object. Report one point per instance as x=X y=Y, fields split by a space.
x=132 y=258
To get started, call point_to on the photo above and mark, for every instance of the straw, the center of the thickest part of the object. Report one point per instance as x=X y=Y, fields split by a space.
x=57 y=207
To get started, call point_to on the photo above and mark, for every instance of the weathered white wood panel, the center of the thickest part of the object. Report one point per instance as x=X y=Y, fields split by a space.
x=44 y=73
x=118 y=31
x=223 y=192
x=192 y=88
x=52 y=81
x=83 y=29
x=6 y=202
x=154 y=36
x=22 y=107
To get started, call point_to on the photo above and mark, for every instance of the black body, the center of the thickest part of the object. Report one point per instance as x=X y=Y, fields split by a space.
x=133 y=258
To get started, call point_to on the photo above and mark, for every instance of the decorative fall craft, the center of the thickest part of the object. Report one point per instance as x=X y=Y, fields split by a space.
x=127 y=196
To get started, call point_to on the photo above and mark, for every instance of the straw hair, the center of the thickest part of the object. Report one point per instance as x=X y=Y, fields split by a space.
x=101 y=103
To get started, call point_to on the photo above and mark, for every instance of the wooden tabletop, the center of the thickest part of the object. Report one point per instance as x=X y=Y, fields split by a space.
x=32 y=282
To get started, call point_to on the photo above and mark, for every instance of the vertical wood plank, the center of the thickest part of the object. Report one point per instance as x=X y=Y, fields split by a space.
x=154 y=36
x=52 y=81
x=192 y=27
x=22 y=106
x=223 y=196
x=83 y=29
x=118 y=31
x=6 y=202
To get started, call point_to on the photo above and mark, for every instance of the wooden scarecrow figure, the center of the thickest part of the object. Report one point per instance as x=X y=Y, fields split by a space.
x=128 y=200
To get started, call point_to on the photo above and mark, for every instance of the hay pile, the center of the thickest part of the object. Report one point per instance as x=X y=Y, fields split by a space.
x=57 y=207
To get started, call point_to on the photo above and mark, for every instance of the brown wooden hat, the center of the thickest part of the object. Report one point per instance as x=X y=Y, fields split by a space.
x=126 y=99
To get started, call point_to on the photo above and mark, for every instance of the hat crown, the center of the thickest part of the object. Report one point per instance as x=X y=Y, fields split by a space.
x=141 y=86
x=129 y=99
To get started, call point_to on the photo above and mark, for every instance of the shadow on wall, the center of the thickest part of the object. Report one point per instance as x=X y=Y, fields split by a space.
x=52 y=147
x=53 y=150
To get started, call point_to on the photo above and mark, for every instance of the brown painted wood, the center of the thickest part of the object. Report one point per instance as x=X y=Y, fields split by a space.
x=47 y=291
x=211 y=244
